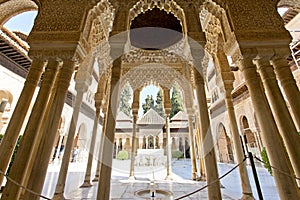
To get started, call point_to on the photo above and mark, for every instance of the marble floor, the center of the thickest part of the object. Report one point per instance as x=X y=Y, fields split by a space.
x=122 y=188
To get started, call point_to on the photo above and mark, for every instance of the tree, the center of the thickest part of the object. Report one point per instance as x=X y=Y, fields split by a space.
x=176 y=101
x=159 y=108
x=125 y=98
x=149 y=103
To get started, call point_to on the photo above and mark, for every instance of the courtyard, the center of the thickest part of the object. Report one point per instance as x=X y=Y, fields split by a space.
x=122 y=188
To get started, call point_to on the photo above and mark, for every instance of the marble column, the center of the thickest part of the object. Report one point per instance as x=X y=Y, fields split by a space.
x=192 y=147
x=167 y=107
x=228 y=79
x=281 y=113
x=108 y=142
x=97 y=175
x=32 y=134
x=245 y=183
x=40 y=166
x=200 y=153
x=286 y=185
x=207 y=140
x=133 y=147
x=10 y=137
x=289 y=86
x=88 y=172
x=81 y=87
x=135 y=111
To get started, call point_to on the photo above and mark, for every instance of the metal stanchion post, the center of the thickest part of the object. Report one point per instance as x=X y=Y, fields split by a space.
x=250 y=156
x=260 y=196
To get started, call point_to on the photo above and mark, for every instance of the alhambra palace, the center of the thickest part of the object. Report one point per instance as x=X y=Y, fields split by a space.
x=235 y=63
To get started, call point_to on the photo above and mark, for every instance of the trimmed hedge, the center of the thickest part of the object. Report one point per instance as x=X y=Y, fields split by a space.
x=123 y=155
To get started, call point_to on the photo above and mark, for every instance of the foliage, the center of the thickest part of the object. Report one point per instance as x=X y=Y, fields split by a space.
x=176 y=101
x=265 y=158
x=177 y=154
x=14 y=154
x=1 y=136
x=159 y=107
x=123 y=155
x=299 y=133
x=149 y=103
x=124 y=102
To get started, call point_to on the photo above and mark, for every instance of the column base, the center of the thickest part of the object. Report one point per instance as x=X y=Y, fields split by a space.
x=247 y=196
x=169 y=178
x=96 y=179
x=131 y=178
x=58 y=197
x=194 y=176
x=86 y=184
x=201 y=178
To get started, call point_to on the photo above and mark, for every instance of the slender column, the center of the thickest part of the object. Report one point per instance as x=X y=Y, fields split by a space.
x=135 y=111
x=246 y=187
x=287 y=187
x=282 y=115
x=87 y=178
x=228 y=79
x=105 y=172
x=133 y=147
x=15 y=124
x=207 y=145
x=192 y=147
x=101 y=100
x=200 y=153
x=59 y=190
x=31 y=135
x=97 y=175
x=289 y=86
x=168 y=106
x=39 y=170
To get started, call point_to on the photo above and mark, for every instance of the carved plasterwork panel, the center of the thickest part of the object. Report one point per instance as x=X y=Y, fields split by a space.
x=14 y=7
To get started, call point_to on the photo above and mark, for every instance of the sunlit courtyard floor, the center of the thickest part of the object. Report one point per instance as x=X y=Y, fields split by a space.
x=122 y=188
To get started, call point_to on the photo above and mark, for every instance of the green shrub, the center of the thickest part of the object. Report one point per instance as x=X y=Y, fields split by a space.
x=123 y=155
x=1 y=136
x=177 y=154
x=265 y=158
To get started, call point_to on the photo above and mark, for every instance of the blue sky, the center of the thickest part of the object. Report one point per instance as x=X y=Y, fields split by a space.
x=22 y=22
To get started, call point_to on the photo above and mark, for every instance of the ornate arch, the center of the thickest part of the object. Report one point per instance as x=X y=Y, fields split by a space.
x=11 y=8
x=170 y=6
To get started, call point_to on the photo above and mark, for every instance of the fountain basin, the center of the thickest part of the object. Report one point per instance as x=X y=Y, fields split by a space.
x=158 y=194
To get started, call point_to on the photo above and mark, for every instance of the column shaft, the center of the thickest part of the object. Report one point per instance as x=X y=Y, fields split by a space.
x=289 y=86
x=282 y=115
x=192 y=148
x=60 y=185
x=286 y=185
x=207 y=142
x=97 y=175
x=87 y=178
x=32 y=134
x=246 y=187
x=133 y=147
x=39 y=171
x=105 y=173
x=15 y=124
x=169 y=148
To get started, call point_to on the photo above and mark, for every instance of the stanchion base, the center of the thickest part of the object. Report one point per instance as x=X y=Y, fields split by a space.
x=131 y=178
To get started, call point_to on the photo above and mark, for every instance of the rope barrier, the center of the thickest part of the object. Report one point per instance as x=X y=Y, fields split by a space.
x=23 y=187
x=200 y=189
x=277 y=169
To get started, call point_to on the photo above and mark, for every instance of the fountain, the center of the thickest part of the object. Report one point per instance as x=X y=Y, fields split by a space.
x=154 y=194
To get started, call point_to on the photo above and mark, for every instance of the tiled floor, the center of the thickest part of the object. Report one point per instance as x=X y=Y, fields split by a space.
x=122 y=188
